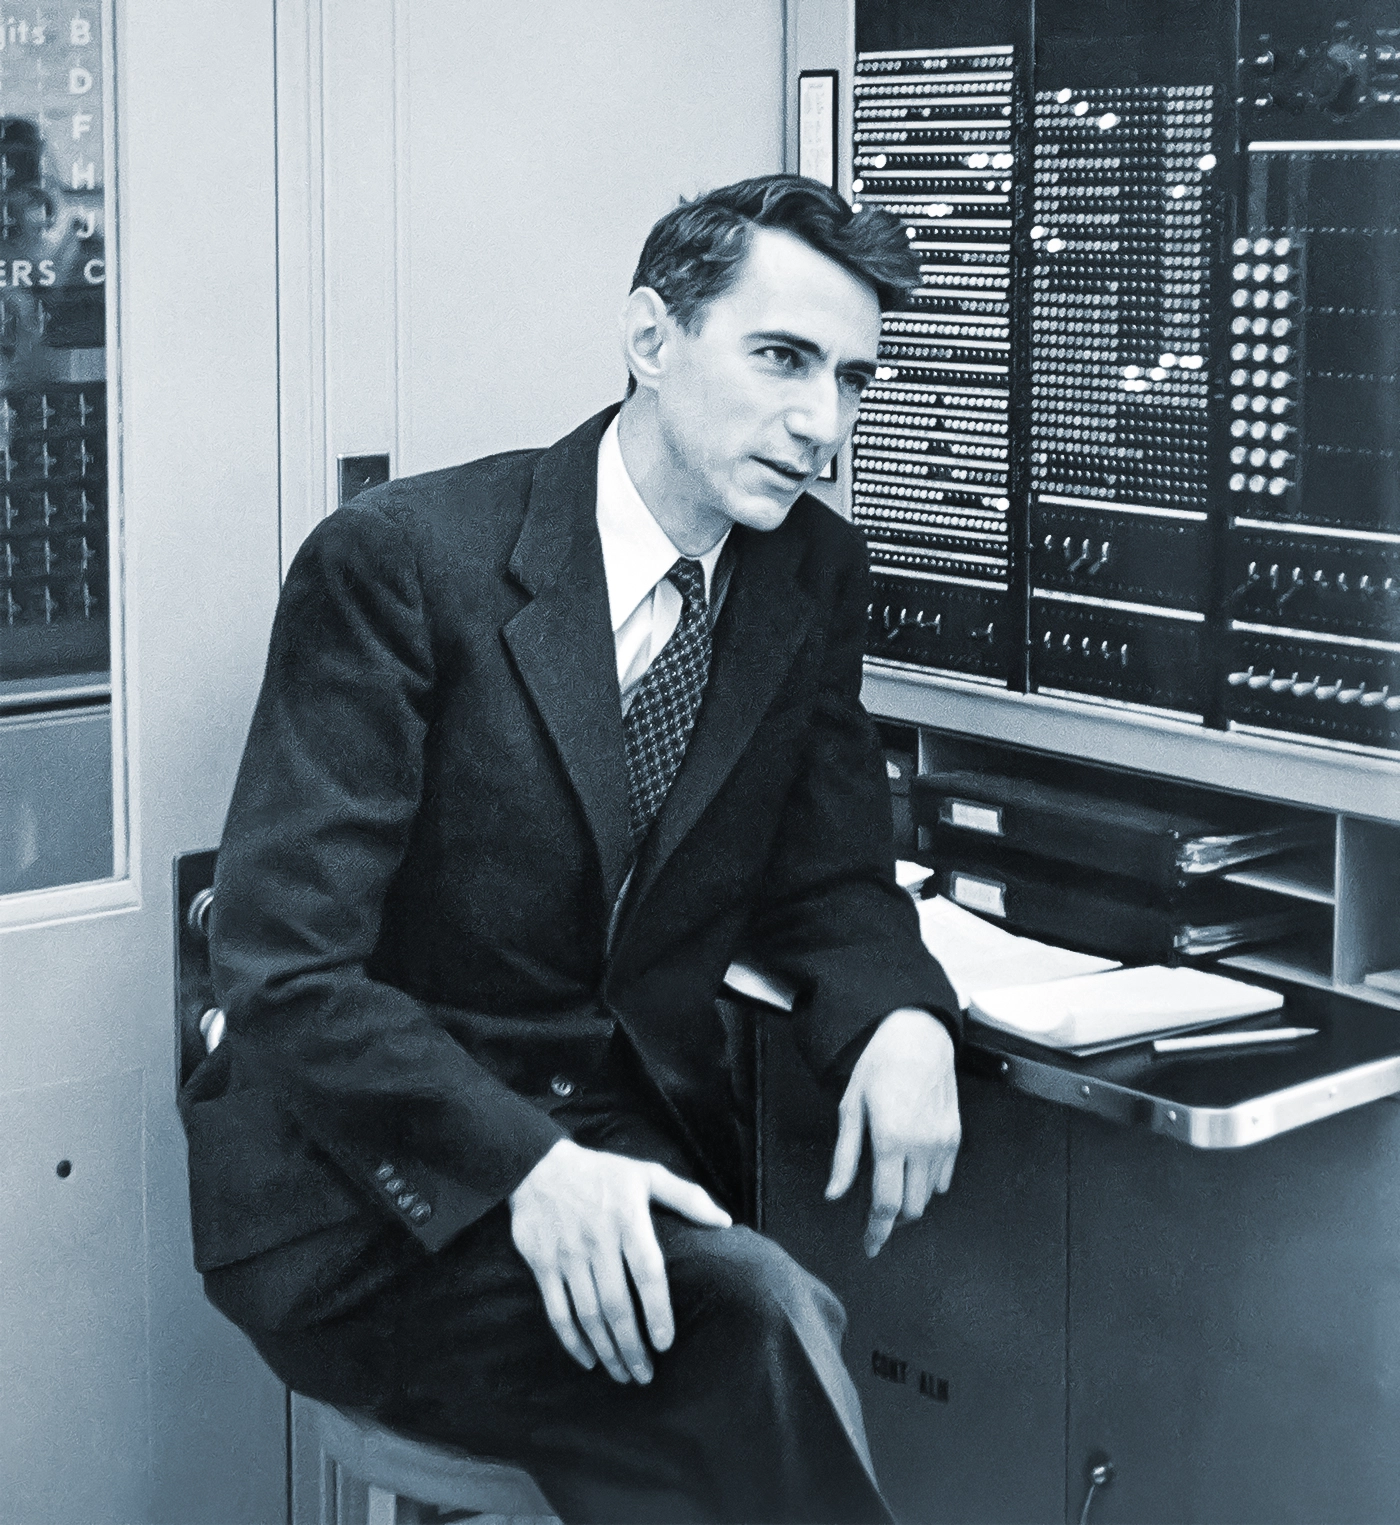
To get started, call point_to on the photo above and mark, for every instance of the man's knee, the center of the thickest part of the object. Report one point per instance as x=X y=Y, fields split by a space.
x=751 y=1283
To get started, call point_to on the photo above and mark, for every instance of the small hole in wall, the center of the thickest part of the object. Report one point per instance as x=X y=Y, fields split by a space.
x=64 y=1169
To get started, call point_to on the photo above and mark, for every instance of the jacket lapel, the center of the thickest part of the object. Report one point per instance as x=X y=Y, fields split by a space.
x=765 y=619
x=562 y=640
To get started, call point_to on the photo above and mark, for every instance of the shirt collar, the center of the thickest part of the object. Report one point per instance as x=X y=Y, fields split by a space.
x=637 y=552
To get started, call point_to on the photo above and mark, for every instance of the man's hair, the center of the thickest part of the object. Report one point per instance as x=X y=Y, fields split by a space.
x=695 y=252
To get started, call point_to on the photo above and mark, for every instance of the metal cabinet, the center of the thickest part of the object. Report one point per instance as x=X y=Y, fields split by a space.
x=956 y=1333
x=1219 y=1326
x=1233 y=1325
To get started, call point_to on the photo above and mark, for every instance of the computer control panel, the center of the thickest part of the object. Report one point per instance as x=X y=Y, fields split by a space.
x=1137 y=437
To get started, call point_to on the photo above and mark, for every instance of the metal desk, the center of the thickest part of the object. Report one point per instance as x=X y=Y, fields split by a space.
x=1220 y=1099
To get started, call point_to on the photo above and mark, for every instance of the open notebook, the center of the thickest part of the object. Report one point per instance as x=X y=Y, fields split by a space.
x=978 y=956
x=1074 y=1001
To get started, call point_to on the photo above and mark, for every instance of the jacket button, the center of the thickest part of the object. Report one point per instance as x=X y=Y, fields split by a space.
x=420 y=1212
x=384 y=1171
x=394 y=1184
x=562 y=1087
x=406 y=1199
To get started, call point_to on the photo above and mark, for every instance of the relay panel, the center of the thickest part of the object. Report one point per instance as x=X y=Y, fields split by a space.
x=1137 y=435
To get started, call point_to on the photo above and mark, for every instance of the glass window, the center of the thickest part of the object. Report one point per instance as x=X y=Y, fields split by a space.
x=56 y=586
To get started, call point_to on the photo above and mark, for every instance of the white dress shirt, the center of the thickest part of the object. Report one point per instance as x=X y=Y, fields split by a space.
x=637 y=554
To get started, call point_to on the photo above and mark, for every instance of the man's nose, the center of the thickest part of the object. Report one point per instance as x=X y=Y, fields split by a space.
x=818 y=416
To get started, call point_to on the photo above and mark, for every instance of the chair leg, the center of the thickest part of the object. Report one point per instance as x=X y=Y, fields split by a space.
x=314 y=1490
x=353 y=1500
x=382 y=1507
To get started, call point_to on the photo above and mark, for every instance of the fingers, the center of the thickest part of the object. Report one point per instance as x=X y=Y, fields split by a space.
x=620 y=1318
x=588 y=1311
x=845 y=1158
x=918 y=1186
x=902 y=1181
x=561 y=1318
x=648 y=1269
x=886 y=1198
x=582 y=1222
x=686 y=1198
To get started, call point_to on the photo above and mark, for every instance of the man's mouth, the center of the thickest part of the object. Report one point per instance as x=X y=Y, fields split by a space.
x=785 y=469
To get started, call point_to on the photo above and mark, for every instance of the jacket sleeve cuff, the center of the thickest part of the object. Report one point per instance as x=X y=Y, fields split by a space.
x=435 y=1206
x=838 y=1072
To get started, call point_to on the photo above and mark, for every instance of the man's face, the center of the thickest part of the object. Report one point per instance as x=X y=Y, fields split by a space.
x=754 y=402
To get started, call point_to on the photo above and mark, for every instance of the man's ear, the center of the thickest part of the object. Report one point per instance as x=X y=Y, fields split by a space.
x=647 y=332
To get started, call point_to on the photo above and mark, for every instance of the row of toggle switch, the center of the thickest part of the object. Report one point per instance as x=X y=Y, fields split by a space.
x=892 y=624
x=79 y=600
x=1298 y=580
x=1085 y=647
x=1301 y=688
x=34 y=558
x=55 y=407
x=1085 y=558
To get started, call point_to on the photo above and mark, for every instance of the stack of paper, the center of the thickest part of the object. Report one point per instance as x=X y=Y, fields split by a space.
x=910 y=876
x=978 y=957
x=1072 y=1000
x=1101 y=1010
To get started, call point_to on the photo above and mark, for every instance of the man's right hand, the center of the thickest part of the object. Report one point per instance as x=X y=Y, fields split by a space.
x=582 y=1221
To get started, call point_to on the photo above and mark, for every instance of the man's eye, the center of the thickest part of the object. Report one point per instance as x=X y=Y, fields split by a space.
x=855 y=382
x=780 y=355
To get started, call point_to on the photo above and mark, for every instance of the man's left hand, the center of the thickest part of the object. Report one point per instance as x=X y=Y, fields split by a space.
x=903 y=1090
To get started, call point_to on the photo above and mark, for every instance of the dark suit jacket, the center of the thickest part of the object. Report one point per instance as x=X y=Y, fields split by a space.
x=429 y=831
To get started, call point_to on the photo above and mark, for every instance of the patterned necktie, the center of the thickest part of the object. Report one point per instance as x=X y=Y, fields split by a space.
x=662 y=714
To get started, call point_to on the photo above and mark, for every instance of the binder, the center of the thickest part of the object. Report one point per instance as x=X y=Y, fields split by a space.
x=1107 y=914
x=1168 y=842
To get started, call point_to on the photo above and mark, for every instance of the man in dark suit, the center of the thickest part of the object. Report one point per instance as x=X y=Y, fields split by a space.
x=546 y=741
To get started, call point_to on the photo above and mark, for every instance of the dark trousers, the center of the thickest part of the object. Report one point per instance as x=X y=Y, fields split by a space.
x=750 y=1416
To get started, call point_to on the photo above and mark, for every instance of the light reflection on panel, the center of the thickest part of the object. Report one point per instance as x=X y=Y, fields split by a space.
x=55 y=604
